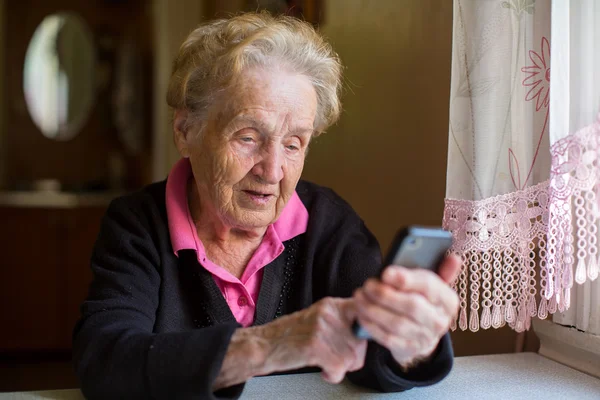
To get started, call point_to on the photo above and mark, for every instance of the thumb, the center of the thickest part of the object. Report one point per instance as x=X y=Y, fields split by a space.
x=450 y=268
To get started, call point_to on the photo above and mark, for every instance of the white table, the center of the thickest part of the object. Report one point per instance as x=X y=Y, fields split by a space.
x=502 y=376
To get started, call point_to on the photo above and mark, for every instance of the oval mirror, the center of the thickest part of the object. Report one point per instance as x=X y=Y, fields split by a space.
x=58 y=78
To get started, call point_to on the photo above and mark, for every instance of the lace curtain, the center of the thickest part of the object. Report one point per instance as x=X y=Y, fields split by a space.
x=521 y=201
x=573 y=107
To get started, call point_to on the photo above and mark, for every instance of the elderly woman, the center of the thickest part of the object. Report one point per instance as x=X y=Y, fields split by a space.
x=233 y=267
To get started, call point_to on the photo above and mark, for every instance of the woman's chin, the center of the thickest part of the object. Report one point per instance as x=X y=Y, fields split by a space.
x=254 y=219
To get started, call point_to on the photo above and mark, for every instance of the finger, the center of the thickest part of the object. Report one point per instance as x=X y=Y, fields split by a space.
x=333 y=360
x=325 y=376
x=333 y=327
x=404 y=350
x=339 y=345
x=394 y=323
x=450 y=269
x=421 y=281
x=401 y=346
x=409 y=279
x=332 y=376
x=412 y=305
x=341 y=320
x=360 y=354
x=358 y=346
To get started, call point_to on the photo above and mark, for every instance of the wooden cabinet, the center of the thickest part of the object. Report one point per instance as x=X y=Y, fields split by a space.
x=44 y=274
x=30 y=283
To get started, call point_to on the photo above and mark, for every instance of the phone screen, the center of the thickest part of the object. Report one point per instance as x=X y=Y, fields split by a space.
x=418 y=247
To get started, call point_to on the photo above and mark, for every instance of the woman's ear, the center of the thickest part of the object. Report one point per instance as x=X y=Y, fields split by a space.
x=181 y=130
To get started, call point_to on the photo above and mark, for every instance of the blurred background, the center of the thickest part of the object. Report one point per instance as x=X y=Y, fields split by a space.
x=83 y=119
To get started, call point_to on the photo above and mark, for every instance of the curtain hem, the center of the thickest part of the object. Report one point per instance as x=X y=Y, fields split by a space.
x=550 y=228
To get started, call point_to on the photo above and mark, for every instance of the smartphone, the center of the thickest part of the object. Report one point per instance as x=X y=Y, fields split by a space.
x=414 y=247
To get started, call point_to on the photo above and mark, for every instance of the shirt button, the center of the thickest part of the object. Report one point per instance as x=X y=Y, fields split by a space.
x=242 y=301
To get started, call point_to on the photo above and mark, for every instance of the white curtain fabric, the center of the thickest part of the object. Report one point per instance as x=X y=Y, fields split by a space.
x=575 y=134
x=512 y=184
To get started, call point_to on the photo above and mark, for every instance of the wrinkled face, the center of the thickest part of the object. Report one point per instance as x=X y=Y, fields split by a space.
x=251 y=154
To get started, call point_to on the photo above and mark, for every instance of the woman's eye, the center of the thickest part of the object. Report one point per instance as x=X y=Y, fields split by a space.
x=293 y=145
x=247 y=139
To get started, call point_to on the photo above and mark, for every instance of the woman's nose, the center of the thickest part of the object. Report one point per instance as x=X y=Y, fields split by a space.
x=270 y=168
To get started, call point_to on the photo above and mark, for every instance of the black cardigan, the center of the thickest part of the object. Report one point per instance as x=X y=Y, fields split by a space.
x=157 y=326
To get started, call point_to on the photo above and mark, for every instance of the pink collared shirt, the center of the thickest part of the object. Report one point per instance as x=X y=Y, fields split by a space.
x=241 y=294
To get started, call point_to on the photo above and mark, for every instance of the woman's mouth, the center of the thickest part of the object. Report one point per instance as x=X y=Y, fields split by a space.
x=253 y=193
x=258 y=198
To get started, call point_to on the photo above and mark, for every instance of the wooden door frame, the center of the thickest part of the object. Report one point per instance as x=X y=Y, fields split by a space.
x=2 y=97
x=172 y=21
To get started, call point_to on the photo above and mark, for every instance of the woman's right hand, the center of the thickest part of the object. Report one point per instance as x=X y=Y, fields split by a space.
x=317 y=336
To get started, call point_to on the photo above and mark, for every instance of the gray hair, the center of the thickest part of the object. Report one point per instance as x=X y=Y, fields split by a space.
x=216 y=53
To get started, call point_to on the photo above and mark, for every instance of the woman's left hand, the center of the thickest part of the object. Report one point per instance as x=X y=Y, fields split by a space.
x=409 y=310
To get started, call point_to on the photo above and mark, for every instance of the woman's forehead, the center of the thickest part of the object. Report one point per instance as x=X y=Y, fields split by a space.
x=261 y=97
x=268 y=88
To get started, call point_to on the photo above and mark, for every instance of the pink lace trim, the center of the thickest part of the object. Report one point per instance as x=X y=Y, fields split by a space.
x=505 y=240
